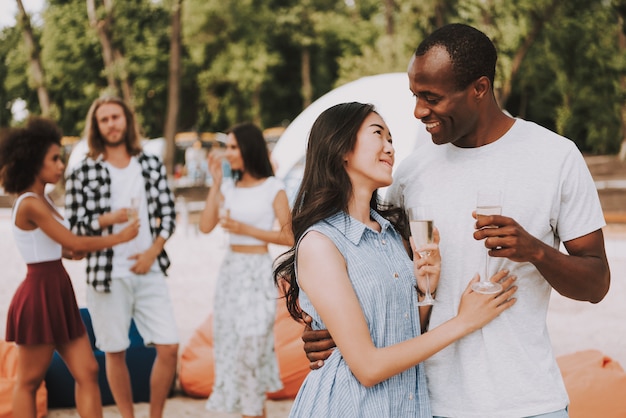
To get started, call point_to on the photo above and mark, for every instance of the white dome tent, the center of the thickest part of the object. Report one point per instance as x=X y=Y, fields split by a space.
x=391 y=96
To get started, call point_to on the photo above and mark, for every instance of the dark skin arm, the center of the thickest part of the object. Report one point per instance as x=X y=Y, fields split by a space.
x=582 y=274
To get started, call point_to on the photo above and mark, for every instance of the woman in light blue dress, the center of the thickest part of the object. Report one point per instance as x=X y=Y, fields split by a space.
x=350 y=270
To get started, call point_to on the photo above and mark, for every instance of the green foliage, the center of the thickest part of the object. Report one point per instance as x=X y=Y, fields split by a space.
x=570 y=80
x=243 y=60
x=13 y=84
x=71 y=57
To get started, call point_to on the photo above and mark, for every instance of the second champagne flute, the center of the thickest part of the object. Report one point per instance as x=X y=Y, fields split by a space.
x=488 y=202
x=222 y=213
x=421 y=223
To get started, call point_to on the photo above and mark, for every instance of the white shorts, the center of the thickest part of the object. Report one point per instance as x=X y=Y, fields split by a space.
x=144 y=298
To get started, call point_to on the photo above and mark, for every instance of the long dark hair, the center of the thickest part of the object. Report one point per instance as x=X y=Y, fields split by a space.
x=253 y=149
x=326 y=187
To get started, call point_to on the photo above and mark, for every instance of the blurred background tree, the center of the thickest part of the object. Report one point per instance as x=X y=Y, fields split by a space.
x=561 y=64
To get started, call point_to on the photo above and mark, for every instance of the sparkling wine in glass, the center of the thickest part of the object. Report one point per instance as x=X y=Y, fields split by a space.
x=132 y=212
x=133 y=209
x=488 y=202
x=421 y=224
x=222 y=213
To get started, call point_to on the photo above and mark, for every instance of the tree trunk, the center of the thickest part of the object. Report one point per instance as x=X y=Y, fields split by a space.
x=389 y=13
x=539 y=22
x=36 y=68
x=307 y=88
x=256 y=107
x=114 y=66
x=102 y=29
x=621 y=41
x=173 y=87
x=622 y=47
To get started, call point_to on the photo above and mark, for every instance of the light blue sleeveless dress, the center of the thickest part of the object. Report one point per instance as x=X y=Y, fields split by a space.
x=382 y=276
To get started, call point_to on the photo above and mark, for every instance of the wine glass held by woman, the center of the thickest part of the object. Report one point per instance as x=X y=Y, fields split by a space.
x=43 y=315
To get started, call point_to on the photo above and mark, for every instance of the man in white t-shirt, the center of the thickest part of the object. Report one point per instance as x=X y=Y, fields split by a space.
x=506 y=369
x=114 y=183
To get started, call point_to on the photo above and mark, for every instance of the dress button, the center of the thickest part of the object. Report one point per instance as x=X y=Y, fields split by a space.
x=406 y=315
x=383 y=242
x=411 y=397
x=396 y=275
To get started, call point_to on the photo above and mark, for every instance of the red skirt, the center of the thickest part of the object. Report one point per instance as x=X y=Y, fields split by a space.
x=43 y=309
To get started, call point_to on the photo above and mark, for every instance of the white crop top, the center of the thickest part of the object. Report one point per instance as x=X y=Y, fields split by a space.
x=253 y=206
x=35 y=246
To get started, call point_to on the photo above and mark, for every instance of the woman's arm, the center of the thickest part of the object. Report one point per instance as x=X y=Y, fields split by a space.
x=35 y=213
x=329 y=288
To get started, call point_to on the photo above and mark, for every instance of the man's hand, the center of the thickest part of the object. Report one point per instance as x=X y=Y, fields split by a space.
x=143 y=262
x=504 y=237
x=318 y=345
x=118 y=216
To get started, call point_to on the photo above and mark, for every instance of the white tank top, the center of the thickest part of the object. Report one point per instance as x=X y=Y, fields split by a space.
x=35 y=246
x=252 y=205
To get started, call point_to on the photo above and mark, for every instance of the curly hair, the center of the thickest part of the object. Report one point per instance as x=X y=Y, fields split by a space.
x=253 y=148
x=22 y=152
x=326 y=187
x=95 y=141
x=471 y=52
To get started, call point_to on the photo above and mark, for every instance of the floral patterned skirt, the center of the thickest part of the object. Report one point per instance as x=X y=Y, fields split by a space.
x=246 y=366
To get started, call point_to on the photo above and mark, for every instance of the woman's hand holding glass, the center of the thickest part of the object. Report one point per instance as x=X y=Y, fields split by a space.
x=214 y=160
x=478 y=309
x=427 y=267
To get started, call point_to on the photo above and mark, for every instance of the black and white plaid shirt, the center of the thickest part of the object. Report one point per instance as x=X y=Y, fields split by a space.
x=88 y=195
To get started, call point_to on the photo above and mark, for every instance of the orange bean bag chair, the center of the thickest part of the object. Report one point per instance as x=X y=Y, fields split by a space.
x=8 y=372
x=596 y=385
x=196 y=363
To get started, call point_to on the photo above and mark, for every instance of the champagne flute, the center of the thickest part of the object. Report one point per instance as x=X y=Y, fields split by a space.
x=132 y=212
x=488 y=202
x=421 y=224
x=222 y=213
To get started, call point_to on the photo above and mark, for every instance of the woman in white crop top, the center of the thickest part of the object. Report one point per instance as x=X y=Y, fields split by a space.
x=43 y=315
x=245 y=298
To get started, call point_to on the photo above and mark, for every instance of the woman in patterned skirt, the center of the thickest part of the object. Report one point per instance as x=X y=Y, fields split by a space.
x=43 y=315
x=245 y=298
x=350 y=271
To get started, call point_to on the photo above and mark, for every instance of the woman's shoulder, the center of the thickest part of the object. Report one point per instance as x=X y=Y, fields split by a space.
x=274 y=183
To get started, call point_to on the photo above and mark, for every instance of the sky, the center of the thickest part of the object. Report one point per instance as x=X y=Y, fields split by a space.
x=8 y=10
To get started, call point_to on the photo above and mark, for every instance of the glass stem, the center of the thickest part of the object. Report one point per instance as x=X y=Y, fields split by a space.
x=486 y=278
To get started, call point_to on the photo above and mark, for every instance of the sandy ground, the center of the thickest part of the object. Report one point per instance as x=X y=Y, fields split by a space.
x=573 y=325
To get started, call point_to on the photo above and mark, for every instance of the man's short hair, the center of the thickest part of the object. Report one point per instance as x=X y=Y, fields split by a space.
x=471 y=52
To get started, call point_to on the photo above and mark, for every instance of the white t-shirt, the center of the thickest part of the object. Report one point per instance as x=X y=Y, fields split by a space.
x=506 y=369
x=128 y=182
x=251 y=205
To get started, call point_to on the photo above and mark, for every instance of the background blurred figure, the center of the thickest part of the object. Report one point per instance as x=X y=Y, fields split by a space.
x=245 y=299
x=196 y=163
x=43 y=315
x=127 y=282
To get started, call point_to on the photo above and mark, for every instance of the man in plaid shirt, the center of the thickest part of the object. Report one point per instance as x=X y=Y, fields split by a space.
x=114 y=183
